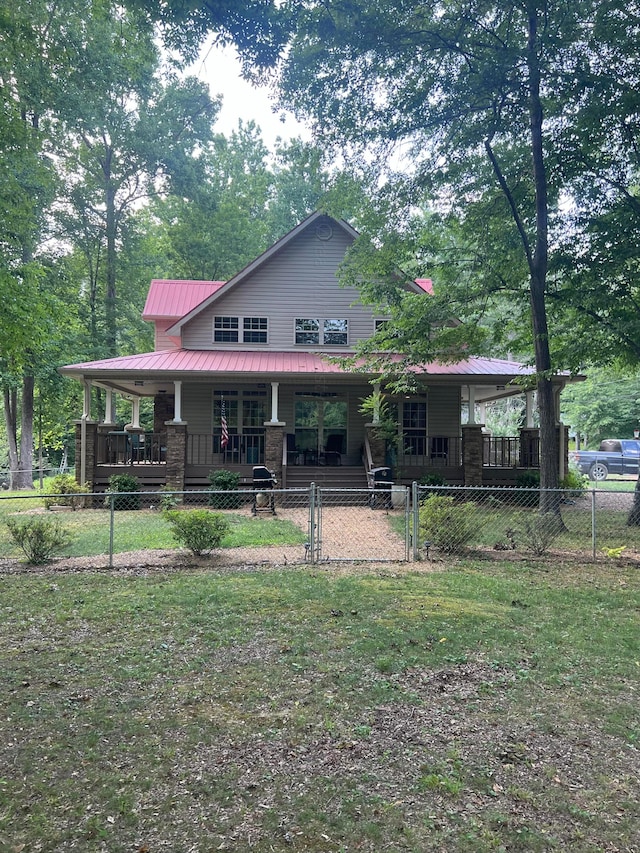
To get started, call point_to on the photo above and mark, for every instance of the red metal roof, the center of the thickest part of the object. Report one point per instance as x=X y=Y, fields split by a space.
x=182 y=361
x=173 y=298
x=426 y=284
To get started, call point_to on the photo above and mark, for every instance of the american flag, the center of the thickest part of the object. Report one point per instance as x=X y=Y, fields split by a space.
x=224 y=438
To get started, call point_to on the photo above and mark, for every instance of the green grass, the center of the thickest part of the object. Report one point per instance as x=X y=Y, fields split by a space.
x=482 y=707
x=146 y=529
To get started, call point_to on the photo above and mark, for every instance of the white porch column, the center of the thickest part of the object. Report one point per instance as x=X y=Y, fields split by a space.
x=482 y=411
x=376 y=403
x=86 y=414
x=275 y=388
x=108 y=406
x=135 y=412
x=529 y=408
x=471 y=391
x=177 y=411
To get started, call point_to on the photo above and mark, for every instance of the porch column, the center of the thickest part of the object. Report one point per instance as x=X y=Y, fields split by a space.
x=528 y=401
x=275 y=387
x=273 y=448
x=109 y=420
x=177 y=404
x=472 y=454
x=86 y=438
x=135 y=415
x=471 y=390
x=176 y=455
x=376 y=402
x=86 y=414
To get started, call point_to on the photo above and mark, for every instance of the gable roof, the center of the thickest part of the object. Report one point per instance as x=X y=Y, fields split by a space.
x=170 y=299
x=277 y=247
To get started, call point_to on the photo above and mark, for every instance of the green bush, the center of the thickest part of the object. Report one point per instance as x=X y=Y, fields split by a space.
x=574 y=483
x=447 y=525
x=224 y=481
x=199 y=530
x=124 y=487
x=63 y=490
x=38 y=538
x=538 y=531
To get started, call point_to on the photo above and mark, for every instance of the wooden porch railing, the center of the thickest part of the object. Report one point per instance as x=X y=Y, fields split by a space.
x=511 y=451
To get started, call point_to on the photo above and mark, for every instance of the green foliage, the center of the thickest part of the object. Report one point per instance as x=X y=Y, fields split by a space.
x=224 y=481
x=538 y=531
x=39 y=538
x=447 y=525
x=574 y=483
x=124 y=487
x=199 y=530
x=62 y=489
x=605 y=405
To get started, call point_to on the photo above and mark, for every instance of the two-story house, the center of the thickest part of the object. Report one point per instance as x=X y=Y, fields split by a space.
x=240 y=376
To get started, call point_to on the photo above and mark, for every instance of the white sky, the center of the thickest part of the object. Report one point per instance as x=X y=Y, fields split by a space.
x=220 y=68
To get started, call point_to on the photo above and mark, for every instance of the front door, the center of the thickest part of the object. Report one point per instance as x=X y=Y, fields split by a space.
x=320 y=424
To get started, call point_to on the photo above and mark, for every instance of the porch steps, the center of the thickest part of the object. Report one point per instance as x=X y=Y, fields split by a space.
x=331 y=477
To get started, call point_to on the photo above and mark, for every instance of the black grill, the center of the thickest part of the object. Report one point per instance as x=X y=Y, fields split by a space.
x=263 y=484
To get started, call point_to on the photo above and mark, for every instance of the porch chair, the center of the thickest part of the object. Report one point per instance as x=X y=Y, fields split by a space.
x=333 y=450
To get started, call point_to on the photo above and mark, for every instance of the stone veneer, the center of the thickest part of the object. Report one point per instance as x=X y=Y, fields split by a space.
x=176 y=455
x=472 y=453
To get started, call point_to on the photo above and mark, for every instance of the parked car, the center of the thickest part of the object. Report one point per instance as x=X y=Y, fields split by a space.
x=615 y=456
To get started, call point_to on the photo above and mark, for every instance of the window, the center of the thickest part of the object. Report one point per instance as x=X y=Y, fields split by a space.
x=254 y=330
x=307 y=331
x=327 y=332
x=414 y=428
x=225 y=330
x=335 y=332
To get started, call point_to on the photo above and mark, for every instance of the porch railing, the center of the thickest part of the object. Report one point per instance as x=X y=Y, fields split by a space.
x=205 y=449
x=511 y=451
x=124 y=448
x=437 y=451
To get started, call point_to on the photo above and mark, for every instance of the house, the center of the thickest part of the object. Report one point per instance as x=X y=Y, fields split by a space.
x=240 y=377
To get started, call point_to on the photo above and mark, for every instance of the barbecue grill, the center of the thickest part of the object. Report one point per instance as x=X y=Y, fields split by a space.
x=263 y=484
x=380 y=486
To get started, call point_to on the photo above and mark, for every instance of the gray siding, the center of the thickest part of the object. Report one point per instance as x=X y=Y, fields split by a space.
x=298 y=282
x=443 y=410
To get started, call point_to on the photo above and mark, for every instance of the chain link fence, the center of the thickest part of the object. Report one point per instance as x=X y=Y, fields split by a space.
x=315 y=525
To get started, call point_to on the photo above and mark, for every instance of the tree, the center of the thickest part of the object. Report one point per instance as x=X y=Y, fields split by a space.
x=127 y=131
x=481 y=98
x=605 y=405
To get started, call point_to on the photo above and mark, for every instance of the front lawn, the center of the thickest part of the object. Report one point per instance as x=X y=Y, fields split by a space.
x=480 y=707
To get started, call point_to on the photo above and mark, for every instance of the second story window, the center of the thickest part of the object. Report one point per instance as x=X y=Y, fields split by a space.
x=225 y=330
x=326 y=332
x=307 y=331
x=254 y=330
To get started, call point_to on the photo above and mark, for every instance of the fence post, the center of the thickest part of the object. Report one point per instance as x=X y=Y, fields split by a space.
x=415 y=517
x=594 y=535
x=312 y=523
x=112 y=514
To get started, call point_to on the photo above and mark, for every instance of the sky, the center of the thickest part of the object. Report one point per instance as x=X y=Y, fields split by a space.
x=220 y=68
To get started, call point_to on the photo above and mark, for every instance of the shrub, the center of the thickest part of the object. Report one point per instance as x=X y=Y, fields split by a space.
x=528 y=480
x=62 y=488
x=574 y=483
x=38 y=538
x=538 y=531
x=124 y=487
x=197 y=529
x=446 y=524
x=224 y=481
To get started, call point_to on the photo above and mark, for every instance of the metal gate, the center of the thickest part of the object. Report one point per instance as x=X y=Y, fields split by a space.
x=359 y=524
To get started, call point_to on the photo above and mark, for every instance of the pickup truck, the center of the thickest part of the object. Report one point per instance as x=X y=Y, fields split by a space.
x=615 y=456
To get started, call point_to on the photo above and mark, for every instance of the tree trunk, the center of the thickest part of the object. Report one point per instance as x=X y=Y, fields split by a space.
x=634 y=515
x=20 y=460
x=110 y=296
x=538 y=265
